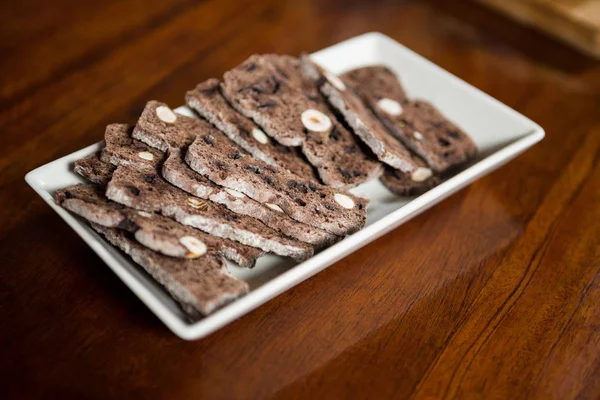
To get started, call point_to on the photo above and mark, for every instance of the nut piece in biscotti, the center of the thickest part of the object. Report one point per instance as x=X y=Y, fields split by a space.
x=365 y=124
x=147 y=191
x=178 y=173
x=94 y=169
x=200 y=286
x=122 y=149
x=418 y=124
x=272 y=91
x=154 y=231
x=216 y=157
x=161 y=128
x=209 y=102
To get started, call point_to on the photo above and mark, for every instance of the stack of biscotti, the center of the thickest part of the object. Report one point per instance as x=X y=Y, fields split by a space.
x=412 y=138
x=272 y=91
x=145 y=199
x=264 y=168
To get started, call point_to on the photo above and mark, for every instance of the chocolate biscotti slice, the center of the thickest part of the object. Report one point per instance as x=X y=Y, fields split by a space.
x=88 y=201
x=178 y=173
x=200 y=286
x=94 y=169
x=269 y=97
x=122 y=149
x=399 y=182
x=374 y=83
x=417 y=124
x=365 y=124
x=272 y=91
x=147 y=191
x=208 y=101
x=161 y=128
x=125 y=151
x=154 y=231
x=216 y=157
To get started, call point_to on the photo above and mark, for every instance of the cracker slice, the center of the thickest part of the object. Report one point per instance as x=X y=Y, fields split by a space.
x=154 y=231
x=362 y=121
x=400 y=183
x=208 y=101
x=216 y=157
x=94 y=169
x=177 y=172
x=272 y=91
x=147 y=191
x=200 y=286
x=121 y=149
x=418 y=124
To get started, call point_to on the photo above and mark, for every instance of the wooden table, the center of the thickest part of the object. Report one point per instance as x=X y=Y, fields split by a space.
x=492 y=294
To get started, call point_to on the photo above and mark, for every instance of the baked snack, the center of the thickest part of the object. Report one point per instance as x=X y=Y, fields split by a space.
x=216 y=157
x=200 y=286
x=147 y=191
x=94 y=169
x=271 y=90
x=374 y=83
x=121 y=149
x=365 y=124
x=154 y=231
x=183 y=193
x=418 y=124
x=399 y=182
x=269 y=97
x=178 y=173
x=161 y=128
x=411 y=173
x=208 y=101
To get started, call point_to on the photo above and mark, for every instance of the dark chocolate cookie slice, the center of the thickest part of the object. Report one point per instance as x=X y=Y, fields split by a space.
x=417 y=124
x=94 y=169
x=178 y=173
x=374 y=83
x=125 y=151
x=200 y=286
x=208 y=101
x=147 y=191
x=400 y=183
x=441 y=143
x=154 y=231
x=122 y=149
x=216 y=157
x=161 y=128
x=272 y=91
x=365 y=124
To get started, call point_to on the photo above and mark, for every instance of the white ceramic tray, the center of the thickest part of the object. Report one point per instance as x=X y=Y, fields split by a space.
x=500 y=133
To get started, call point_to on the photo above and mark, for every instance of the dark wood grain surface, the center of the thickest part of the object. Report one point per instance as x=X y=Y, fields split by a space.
x=493 y=293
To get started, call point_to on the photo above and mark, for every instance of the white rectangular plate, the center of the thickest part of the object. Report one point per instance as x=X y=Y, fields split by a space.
x=500 y=133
